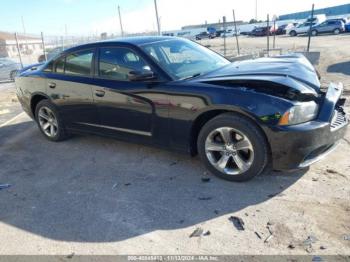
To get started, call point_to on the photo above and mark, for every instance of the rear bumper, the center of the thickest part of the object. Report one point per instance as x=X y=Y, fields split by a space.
x=299 y=146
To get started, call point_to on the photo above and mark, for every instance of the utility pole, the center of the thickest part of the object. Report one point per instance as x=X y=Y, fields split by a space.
x=43 y=43
x=24 y=33
x=268 y=35
x=274 y=31
x=120 y=22
x=312 y=18
x=224 y=26
x=158 y=25
x=65 y=36
x=19 y=50
x=236 y=33
x=256 y=10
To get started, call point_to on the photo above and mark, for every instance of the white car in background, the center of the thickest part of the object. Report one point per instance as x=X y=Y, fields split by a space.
x=300 y=29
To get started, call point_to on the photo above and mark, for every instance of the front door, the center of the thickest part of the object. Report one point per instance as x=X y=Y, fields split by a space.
x=128 y=107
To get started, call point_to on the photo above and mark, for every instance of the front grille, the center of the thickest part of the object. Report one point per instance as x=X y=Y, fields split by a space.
x=339 y=119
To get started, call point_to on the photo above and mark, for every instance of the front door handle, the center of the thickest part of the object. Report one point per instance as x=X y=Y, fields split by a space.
x=100 y=93
x=52 y=85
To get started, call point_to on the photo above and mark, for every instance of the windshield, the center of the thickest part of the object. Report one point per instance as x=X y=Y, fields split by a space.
x=183 y=59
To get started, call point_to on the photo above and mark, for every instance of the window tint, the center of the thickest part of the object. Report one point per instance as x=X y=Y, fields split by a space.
x=59 y=65
x=79 y=63
x=116 y=63
x=49 y=67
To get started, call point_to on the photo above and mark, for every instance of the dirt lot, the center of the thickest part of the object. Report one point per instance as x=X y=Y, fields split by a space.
x=93 y=195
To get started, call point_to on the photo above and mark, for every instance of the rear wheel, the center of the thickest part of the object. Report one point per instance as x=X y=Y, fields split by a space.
x=49 y=121
x=314 y=33
x=233 y=148
x=336 y=31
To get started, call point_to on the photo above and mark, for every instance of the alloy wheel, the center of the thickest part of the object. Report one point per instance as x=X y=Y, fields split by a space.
x=229 y=151
x=48 y=121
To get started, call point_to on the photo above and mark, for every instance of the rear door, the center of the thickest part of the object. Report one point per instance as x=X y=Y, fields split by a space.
x=68 y=81
x=332 y=25
x=325 y=27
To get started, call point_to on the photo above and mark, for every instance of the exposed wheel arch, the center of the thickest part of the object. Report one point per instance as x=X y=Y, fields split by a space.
x=228 y=156
x=35 y=100
x=203 y=118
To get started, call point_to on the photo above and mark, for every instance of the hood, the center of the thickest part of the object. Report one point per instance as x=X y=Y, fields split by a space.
x=293 y=71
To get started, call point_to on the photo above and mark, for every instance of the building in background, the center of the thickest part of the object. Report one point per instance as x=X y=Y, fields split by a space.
x=218 y=26
x=28 y=45
x=334 y=11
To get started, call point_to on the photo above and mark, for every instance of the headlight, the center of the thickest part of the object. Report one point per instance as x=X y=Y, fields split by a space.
x=301 y=113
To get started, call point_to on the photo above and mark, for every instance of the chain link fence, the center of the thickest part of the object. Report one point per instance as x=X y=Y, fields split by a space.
x=18 y=50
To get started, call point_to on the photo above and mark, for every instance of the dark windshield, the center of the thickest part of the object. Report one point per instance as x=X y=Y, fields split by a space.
x=182 y=58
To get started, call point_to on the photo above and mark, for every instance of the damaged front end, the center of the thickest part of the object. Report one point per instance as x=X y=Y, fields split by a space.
x=307 y=123
x=277 y=86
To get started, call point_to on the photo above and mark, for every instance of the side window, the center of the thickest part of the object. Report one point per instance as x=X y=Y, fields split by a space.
x=79 y=63
x=49 y=67
x=56 y=66
x=116 y=63
x=59 y=65
x=152 y=52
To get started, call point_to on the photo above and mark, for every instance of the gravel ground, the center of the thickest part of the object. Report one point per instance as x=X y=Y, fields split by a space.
x=93 y=195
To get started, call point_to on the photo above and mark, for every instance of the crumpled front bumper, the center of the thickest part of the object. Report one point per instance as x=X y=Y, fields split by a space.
x=301 y=145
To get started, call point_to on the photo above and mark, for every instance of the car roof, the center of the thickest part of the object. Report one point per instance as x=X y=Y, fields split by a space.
x=136 y=41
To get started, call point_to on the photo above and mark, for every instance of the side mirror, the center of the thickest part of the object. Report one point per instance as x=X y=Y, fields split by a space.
x=145 y=75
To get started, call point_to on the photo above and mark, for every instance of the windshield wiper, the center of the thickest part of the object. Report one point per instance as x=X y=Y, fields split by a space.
x=192 y=76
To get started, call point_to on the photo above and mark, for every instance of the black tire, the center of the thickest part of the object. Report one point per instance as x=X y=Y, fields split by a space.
x=336 y=31
x=293 y=33
x=251 y=131
x=61 y=133
x=314 y=33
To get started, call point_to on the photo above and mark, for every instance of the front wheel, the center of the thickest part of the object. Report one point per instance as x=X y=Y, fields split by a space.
x=49 y=121
x=314 y=33
x=233 y=148
x=293 y=33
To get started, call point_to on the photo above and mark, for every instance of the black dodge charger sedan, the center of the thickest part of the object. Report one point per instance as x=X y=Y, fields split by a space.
x=239 y=117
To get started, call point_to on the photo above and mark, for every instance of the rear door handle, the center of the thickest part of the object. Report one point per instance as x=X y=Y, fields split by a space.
x=100 y=93
x=52 y=85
